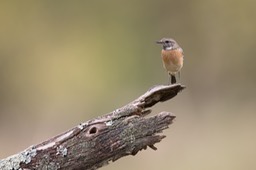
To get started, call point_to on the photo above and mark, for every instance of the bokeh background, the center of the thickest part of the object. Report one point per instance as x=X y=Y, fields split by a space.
x=64 y=62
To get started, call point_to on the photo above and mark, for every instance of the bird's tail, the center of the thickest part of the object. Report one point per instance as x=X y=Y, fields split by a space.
x=173 y=79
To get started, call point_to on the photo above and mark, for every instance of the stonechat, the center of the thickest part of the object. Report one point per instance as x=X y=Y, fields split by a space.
x=172 y=57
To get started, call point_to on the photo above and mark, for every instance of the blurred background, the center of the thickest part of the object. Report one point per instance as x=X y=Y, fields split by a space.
x=65 y=62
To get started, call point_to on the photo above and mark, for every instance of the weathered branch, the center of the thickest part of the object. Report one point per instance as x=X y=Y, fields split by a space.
x=94 y=143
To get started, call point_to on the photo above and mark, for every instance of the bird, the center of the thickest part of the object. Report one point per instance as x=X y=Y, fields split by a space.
x=172 y=57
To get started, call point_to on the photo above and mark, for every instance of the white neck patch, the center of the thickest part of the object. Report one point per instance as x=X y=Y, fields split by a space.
x=168 y=48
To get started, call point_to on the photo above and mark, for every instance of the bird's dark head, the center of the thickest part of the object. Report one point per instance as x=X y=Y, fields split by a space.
x=168 y=43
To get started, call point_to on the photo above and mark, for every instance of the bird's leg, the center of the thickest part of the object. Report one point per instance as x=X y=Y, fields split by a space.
x=170 y=80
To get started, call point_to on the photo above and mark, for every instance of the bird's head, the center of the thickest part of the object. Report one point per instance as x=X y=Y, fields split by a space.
x=168 y=43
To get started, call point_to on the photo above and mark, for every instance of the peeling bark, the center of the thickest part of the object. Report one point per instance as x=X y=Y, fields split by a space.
x=94 y=143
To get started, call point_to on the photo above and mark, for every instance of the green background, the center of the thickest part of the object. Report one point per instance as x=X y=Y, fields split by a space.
x=65 y=62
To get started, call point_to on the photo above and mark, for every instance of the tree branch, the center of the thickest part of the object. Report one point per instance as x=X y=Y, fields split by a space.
x=92 y=144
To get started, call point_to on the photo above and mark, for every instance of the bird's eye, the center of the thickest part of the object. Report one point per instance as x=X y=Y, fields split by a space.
x=167 y=41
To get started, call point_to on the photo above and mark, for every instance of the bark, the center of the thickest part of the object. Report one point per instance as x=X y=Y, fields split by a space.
x=94 y=143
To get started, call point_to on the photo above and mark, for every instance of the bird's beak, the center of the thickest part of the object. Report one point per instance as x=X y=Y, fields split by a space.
x=159 y=42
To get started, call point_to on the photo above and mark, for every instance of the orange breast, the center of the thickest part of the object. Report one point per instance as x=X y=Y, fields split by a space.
x=172 y=60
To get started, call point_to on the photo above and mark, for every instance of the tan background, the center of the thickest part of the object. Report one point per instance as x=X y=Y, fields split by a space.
x=64 y=62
